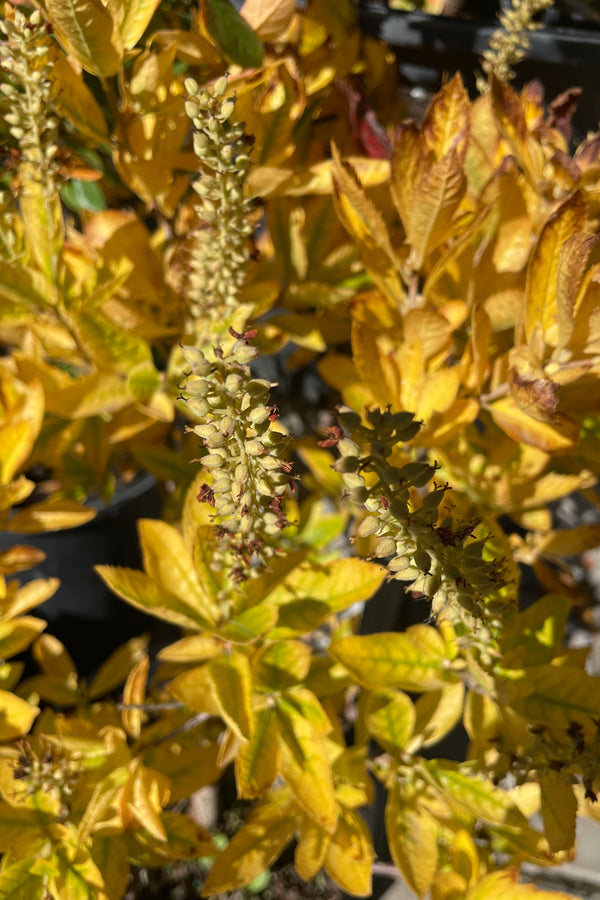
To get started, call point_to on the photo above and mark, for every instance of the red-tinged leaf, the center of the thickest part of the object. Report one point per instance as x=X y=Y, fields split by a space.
x=257 y=762
x=262 y=838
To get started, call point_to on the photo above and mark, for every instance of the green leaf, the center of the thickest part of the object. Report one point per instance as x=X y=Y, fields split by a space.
x=17 y=882
x=232 y=34
x=280 y=665
x=414 y=660
x=78 y=195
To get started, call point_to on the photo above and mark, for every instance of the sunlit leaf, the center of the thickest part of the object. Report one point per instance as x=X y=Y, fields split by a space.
x=412 y=839
x=263 y=836
x=505 y=886
x=268 y=18
x=350 y=854
x=16 y=716
x=87 y=31
x=257 y=762
x=390 y=718
x=413 y=660
x=231 y=678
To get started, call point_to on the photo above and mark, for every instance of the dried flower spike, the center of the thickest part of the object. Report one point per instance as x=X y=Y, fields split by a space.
x=509 y=43
x=249 y=479
x=220 y=242
x=439 y=558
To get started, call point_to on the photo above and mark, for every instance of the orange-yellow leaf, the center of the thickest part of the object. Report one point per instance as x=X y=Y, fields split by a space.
x=542 y=275
x=268 y=18
x=117 y=667
x=311 y=849
x=87 y=31
x=134 y=694
x=562 y=435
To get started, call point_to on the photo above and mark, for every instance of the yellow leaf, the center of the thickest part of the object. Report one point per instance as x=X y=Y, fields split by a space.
x=447 y=121
x=117 y=667
x=474 y=794
x=42 y=220
x=18 y=883
x=17 y=635
x=413 y=660
x=89 y=395
x=167 y=562
x=563 y=435
x=231 y=679
x=365 y=223
x=111 y=856
x=257 y=762
x=52 y=514
x=540 y=312
x=376 y=356
x=141 y=591
x=350 y=854
x=18 y=437
x=438 y=193
x=53 y=658
x=143 y=798
x=555 y=695
x=134 y=694
x=76 y=102
x=504 y=886
x=279 y=665
x=305 y=766
x=193 y=649
x=195 y=689
x=136 y=16
x=311 y=849
x=263 y=836
x=16 y=716
x=268 y=18
x=569 y=541
x=188 y=764
x=437 y=712
x=572 y=261
x=339 y=583
x=412 y=839
x=559 y=810
x=30 y=595
x=80 y=878
x=390 y=718
x=87 y=31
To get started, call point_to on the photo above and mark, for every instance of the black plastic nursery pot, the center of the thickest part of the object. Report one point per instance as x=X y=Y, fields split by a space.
x=564 y=53
x=83 y=613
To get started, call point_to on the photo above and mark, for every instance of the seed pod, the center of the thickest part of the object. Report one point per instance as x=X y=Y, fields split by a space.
x=385 y=547
x=422 y=559
x=368 y=526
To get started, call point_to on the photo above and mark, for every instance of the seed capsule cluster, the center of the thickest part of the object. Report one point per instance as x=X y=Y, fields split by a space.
x=249 y=479
x=220 y=246
x=27 y=90
x=439 y=558
x=50 y=769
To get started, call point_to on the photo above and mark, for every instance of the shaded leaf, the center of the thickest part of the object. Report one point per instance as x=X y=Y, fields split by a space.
x=559 y=810
x=231 y=679
x=232 y=34
x=87 y=31
x=257 y=762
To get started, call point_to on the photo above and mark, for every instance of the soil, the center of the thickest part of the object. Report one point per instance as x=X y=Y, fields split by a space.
x=184 y=880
